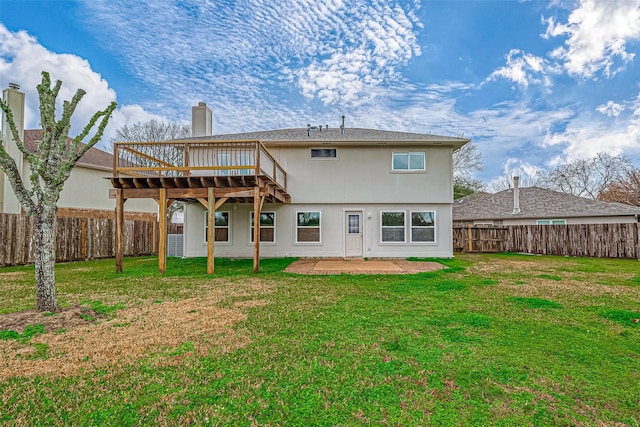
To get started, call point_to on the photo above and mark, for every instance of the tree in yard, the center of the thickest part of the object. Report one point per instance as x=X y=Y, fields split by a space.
x=588 y=177
x=50 y=167
x=626 y=190
x=156 y=131
x=466 y=160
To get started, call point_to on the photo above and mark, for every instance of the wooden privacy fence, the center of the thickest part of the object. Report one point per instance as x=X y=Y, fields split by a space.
x=77 y=238
x=588 y=240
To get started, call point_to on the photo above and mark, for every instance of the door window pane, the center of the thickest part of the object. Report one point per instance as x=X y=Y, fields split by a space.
x=353 y=224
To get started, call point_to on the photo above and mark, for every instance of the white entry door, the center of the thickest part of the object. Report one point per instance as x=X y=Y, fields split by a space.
x=354 y=234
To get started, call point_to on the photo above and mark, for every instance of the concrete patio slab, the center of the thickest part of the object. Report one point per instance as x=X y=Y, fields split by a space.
x=360 y=266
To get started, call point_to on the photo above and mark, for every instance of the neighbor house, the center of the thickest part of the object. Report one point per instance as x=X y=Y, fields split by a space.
x=85 y=189
x=320 y=191
x=538 y=206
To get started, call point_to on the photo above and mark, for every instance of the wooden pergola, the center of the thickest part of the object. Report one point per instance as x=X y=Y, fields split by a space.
x=195 y=171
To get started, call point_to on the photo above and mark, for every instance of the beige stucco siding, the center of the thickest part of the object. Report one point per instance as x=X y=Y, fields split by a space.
x=87 y=188
x=364 y=175
x=332 y=231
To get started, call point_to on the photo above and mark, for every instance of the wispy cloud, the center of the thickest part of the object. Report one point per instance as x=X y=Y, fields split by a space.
x=597 y=34
x=251 y=54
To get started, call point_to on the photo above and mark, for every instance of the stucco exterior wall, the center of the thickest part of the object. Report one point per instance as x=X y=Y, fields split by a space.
x=87 y=188
x=332 y=230
x=364 y=175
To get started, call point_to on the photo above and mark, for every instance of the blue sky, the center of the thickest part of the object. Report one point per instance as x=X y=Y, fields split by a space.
x=533 y=83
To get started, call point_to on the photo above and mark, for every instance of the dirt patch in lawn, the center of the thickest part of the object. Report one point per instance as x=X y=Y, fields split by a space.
x=161 y=331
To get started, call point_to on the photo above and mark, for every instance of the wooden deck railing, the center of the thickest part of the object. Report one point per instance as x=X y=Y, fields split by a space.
x=197 y=158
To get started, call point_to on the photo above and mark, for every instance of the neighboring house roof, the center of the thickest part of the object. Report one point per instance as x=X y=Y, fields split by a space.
x=333 y=135
x=536 y=202
x=94 y=157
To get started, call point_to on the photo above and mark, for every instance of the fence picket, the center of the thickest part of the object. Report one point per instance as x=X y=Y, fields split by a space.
x=588 y=240
x=16 y=238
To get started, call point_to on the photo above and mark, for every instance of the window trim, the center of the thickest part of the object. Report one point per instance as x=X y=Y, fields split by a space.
x=228 y=227
x=404 y=228
x=297 y=226
x=434 y=227
x=273 y=242
x=409 y=169
x=550 y=221
x=323 y=158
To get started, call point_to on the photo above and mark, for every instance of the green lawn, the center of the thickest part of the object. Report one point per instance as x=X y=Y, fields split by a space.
x=492 y=340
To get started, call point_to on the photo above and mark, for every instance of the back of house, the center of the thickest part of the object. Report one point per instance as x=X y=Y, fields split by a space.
x=352 y=192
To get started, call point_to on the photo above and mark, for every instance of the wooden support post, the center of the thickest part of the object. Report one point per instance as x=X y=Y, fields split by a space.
x=469 y=238
x=211 y=230
x=162 y=245
x=256 y=229
x=119 y=230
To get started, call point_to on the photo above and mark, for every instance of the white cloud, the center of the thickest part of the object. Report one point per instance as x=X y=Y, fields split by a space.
x=245 y=54
x=524 y=69
x=22 y=60
x=597 y=33
x=610 y=109
x=585 y=138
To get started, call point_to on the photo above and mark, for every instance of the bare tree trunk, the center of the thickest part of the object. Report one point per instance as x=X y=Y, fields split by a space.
x=45 y=259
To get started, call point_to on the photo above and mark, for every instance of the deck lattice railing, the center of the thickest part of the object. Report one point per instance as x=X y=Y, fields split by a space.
x=197 y=158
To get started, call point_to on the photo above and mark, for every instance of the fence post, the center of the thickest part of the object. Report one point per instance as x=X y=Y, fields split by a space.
x=469 y=238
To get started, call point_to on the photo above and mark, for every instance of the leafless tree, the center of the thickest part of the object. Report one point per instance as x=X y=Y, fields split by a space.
x=467 y=160
x=152 y=131
x=625 y=190
x=534 y=178
x=50 y=167
x=588 y=177
x=156 y=131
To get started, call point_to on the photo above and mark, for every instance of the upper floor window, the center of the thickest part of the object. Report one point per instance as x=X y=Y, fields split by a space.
x=408 y=161
x=323 y=153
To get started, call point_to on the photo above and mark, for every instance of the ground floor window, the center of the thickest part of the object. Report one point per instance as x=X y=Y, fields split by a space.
x=551 y=222
x=392 y=227
x=221 y=227
x=267 y=227
x=308 y=227
x=423 y=227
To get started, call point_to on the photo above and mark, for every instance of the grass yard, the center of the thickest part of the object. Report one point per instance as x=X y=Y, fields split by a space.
x=498 y=340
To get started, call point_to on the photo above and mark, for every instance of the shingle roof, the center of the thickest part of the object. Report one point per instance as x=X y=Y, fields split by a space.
x=351 y=135
x=536 y=202
x=93 y=157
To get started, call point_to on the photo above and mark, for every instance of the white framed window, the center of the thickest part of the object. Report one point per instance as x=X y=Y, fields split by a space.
x=392 y=226
x=308 y=227
x=409 y=161
x=423 y=227
x=324 y=153
x=267 y=227
x=551 y=222
x=222 y=230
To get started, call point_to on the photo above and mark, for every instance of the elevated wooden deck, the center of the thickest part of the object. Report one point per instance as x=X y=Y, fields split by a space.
x=208 y=172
